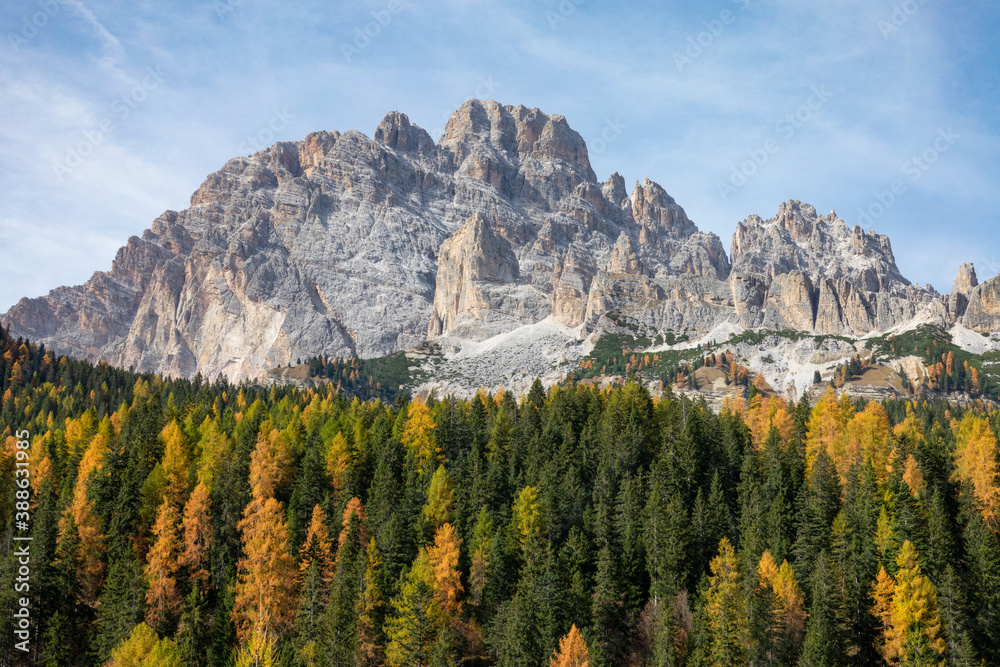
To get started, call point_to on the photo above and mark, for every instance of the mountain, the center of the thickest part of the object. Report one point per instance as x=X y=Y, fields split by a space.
x=343 y=245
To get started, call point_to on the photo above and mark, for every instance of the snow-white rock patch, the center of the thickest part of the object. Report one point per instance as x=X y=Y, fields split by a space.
x=971 y=341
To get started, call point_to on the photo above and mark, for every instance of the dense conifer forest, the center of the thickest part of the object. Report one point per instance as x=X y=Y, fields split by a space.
x=181 y=522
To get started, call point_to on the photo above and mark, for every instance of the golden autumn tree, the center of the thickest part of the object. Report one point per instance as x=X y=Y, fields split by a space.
x=134 y=650
x=338 y=458
x=868 y=439
x=443 y=558
x=197 y=536
x=911 y=624
x=418 y=434
x=826 y=429
x=912 y=476
x=317 y=547
x=79 y=433
x=882 y=591
x=163 y=599
x=765 y=413
x=975 y=458
x=789 y=603
x=214 y=446
x=258 y=650
x=355 y=510
x=726 y=618
x=266 y=585
x=176 y=462
x=81 y=517
x=572 y=652
x=267 y=574
x=270 y=465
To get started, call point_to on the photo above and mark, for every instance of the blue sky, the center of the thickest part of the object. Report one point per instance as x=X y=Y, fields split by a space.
x=111 y=113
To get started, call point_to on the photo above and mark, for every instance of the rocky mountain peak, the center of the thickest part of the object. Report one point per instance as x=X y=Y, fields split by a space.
x=798 y=238
x=966 y=279
x=624 y=259
x=494 y=142
x=659 y=216
x=396 y=132
x=614 y=191
x=341 y=244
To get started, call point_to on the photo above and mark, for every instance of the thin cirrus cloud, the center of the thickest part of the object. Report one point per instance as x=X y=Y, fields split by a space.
x=685 y=95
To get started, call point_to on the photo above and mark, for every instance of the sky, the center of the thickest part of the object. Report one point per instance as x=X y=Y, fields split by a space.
x=882 y=110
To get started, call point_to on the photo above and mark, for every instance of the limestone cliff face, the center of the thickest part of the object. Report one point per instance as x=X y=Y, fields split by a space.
x=961 y=288
x=983 y=311
x=798 y=238
x=341 y=244
x=478 y=284
x=331 y=245
x=809 y=272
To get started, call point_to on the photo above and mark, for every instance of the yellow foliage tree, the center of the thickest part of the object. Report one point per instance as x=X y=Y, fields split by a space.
x=214 y=446
x=80 y=514
x=913 y=477
x=338 y=459
x=765 y=413
x=197 y=535
x=163 y=599
x=355 y=510
x=976 y=463
x=727 y=622
x=443 y=559
x=826 y=429
x=265 y=588
x=867 y=435
x=317 y=547
x=176 y=462
x=135 y=649
x=418 y=434
x=908 y=613
x=882 y=592
x=573 y=651
x=270 y=465
x=789 y=601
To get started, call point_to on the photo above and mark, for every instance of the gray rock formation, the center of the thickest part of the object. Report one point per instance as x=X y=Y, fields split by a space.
x=331 y=246
x=983 y=311
x=961 y=288
x=342 y=244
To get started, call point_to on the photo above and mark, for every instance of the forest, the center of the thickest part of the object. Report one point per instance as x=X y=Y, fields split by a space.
x=179 y=522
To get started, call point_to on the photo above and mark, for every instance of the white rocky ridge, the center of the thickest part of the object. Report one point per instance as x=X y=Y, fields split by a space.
x=343 y=245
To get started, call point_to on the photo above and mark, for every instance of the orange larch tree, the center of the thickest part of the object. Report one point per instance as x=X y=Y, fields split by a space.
x=976 y=463
x=197 y=536
x=163 y=600
x=573 y=651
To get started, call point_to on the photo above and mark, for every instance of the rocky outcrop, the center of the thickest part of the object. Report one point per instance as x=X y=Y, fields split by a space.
x=478 y=284
x=791 y=303
x=341 y=244
x=983 y=311
x=799 y=239
x=333 y=245
x=961 y=288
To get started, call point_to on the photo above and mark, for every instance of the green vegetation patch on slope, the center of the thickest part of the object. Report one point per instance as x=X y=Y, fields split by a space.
x=951 y=367
x=384 y=378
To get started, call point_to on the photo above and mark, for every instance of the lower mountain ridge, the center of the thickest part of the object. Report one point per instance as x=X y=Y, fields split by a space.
x=491 y=257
